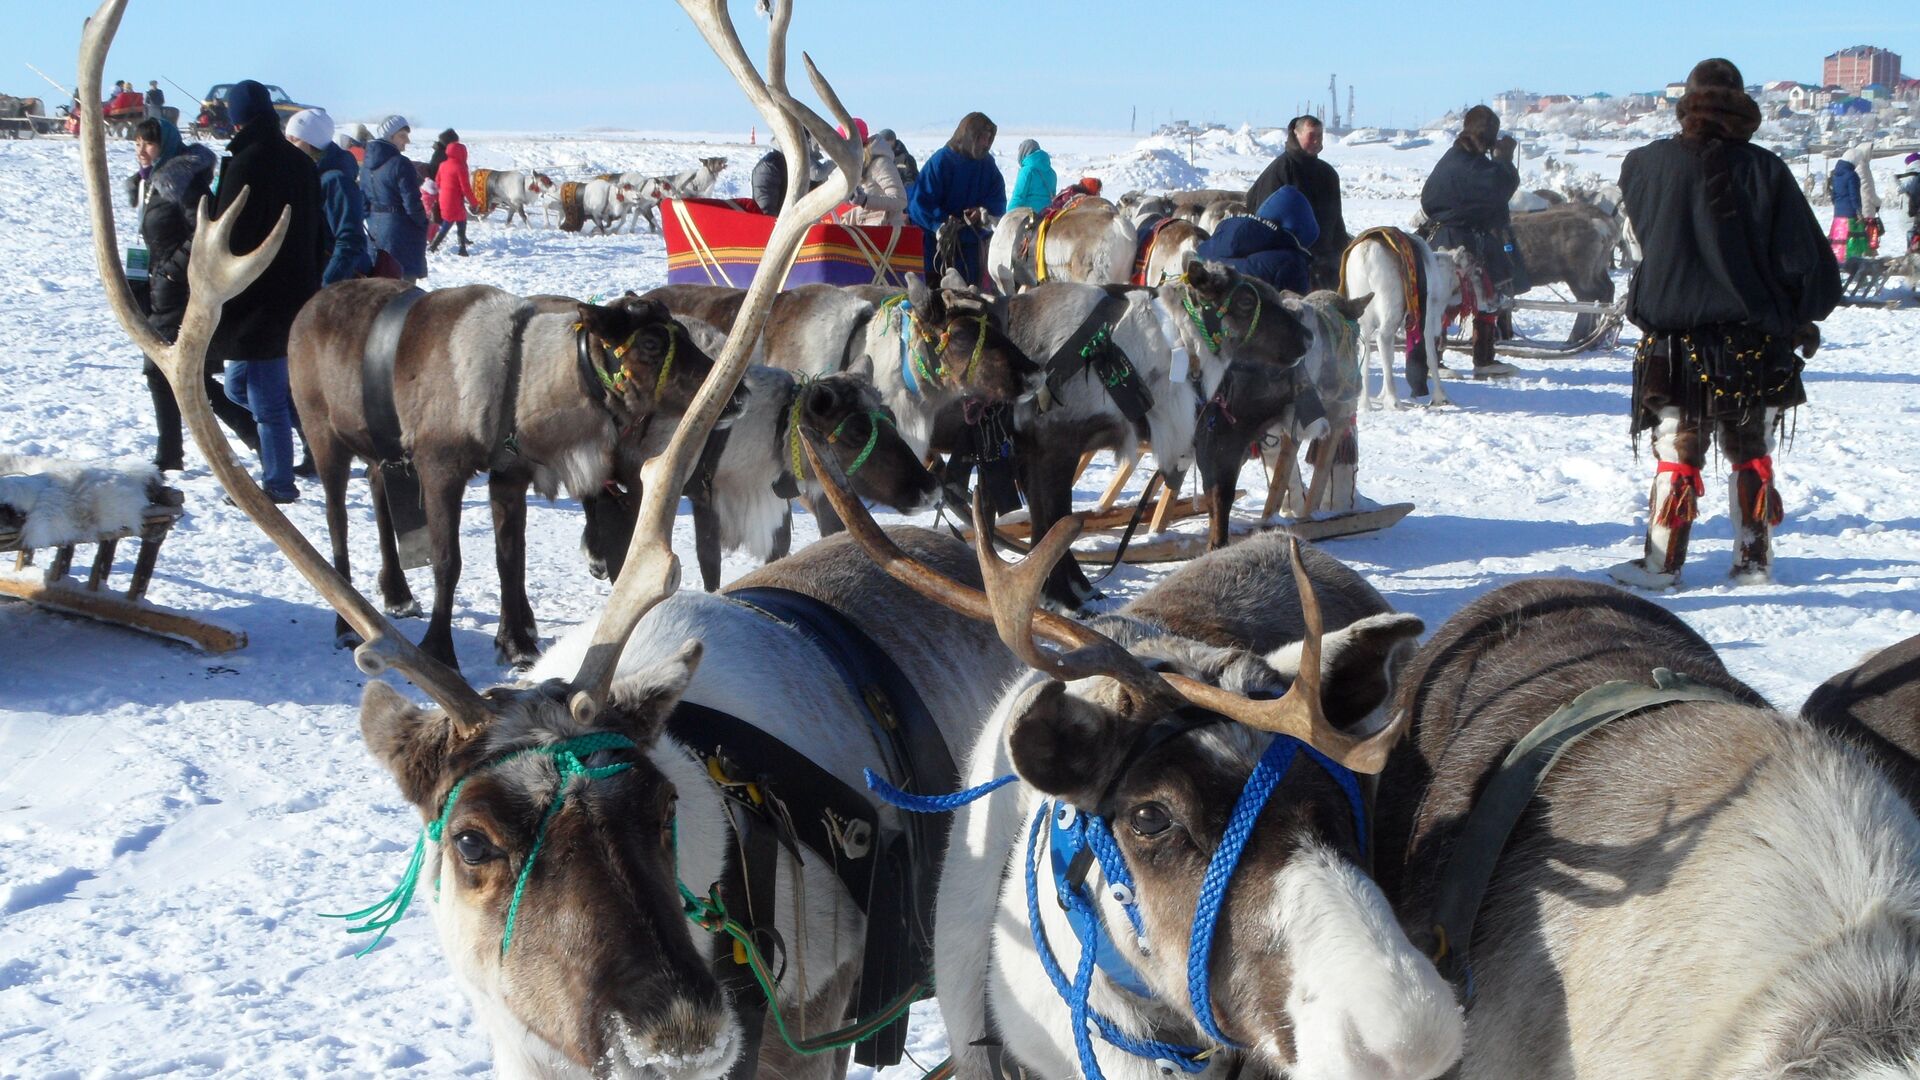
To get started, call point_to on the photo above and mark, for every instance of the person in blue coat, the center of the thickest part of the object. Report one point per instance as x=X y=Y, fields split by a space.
x=956 y=198
x=1033 y=188
x=341 y=204
x=1845 y=185
x=391 y=185
x=1275 y=244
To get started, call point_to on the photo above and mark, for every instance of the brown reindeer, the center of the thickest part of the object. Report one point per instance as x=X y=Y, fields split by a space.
x=1701 y=888
x=1876 y=704
x=567 y=924
x=1571 y=243
x=485 y=383
x=1088 y=241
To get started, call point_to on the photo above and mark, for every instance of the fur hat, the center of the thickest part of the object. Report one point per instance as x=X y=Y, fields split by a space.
x=1027 y=146
x=391 y=126
x=1716 y=105
x=311 y=126
x=248 y=101
x=1479 y=130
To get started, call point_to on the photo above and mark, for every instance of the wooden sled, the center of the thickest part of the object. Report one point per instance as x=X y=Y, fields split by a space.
x=1180 y=547
x=52 y=589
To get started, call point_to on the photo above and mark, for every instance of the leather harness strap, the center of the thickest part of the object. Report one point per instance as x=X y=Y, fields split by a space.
x=1476 y=850
x=1091 y=349
x=376 y=376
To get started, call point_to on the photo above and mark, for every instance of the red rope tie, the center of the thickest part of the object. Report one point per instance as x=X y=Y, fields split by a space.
x=1766 y=502
x=1682 y=504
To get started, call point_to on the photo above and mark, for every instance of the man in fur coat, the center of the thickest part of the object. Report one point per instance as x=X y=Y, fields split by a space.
x=1302 y=167
x=1735 y=274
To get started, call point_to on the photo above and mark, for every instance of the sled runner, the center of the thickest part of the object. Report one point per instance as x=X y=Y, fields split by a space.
x=1179 y=547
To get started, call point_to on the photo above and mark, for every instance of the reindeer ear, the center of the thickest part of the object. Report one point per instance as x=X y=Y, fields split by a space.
x=1197 y=274
x=1353 y=308
x=413 y=743
x=641 y=702
x=917 y=292
x=1064 y=745
x=1359 y=664
x=953 y=279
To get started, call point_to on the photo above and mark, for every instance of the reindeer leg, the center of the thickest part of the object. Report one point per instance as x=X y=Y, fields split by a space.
x=517 y=643
x=829 y=521
x=1047 y=479
x=396 y=596
x=706 y=542
x=783 y=536
x=442 y=490
x=332 y=462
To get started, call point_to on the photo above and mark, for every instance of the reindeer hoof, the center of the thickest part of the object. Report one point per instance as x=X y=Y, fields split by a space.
x=347 y=640
x=405 y=609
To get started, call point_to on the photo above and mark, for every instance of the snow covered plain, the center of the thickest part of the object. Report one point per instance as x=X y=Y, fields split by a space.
x=171 y=825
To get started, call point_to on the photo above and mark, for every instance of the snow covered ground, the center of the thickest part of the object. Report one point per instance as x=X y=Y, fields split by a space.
x=171 y=825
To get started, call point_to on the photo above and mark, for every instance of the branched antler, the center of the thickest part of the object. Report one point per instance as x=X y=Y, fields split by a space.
x=651 y=572
x=216 y=275
x=1012 y=603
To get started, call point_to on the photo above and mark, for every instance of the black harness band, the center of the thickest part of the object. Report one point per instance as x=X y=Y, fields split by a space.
x=376 y=376
x=1090 y=349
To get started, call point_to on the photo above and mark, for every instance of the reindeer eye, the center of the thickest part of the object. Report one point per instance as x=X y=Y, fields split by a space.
x=1149 y=819
x=475 y=848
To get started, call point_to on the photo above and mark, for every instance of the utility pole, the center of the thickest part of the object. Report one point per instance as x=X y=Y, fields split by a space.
x=1349 y=106
x=1333 y=100
x=1133 y=125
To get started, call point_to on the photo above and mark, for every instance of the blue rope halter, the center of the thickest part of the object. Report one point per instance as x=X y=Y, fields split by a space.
x=1077 y=839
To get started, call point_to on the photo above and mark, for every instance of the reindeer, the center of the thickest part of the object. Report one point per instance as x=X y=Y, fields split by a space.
x=1373 y=266
x=1876 y=704
x=1215 y=316
x=1572 y=243
x=483 y=384
x=1701 y=888
x=925 y=349
x=509 y=189
x=1134 y=742
x=1087 y=241
x=1163 y=243
x=568 y=926
x=603 y=202
x=1314 y=402
x=649 y=190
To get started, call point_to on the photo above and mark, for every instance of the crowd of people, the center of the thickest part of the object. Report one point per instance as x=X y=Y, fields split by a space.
x=358 y=207
x=1735 y=276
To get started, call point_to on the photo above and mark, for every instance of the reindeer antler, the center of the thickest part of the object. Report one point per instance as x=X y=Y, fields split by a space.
x=216 y=276
x=651 y=572
x=1012 y=603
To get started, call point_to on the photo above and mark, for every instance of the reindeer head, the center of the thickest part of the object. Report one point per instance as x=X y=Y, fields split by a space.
x=845 y=412
x=1244 y=315
x=657 y=366
x=1236 y=884
x=603 y=880
x=714 y=165
x=963 y=341
x=540 y=184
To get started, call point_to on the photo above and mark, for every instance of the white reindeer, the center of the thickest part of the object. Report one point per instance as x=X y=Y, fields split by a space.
x=1371 y=266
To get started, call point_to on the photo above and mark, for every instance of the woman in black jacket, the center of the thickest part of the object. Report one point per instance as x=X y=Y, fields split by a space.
x=1735 y=273
x=172 y=180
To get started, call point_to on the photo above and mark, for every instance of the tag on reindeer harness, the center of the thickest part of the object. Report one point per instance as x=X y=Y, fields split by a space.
x=1170 y=330
x=137 y=263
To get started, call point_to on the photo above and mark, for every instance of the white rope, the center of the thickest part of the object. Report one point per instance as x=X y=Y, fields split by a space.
x=709 y=262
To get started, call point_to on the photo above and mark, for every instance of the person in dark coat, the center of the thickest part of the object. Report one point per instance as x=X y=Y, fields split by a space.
x=172 y=180
x=252 y=335
x=1733 y=276
x=909 y=168
x=956 y=199
x=770 y=176
x=1465 y=200
x=396 y=218
x=1275 y=244
x=156 y=99
x=1300 y=167
x=341 y=204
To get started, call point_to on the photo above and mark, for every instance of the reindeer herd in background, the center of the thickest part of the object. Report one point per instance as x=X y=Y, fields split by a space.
x=1230 y=826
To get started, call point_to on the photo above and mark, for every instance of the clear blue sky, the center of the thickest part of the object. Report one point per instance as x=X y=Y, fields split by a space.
x=491 y=64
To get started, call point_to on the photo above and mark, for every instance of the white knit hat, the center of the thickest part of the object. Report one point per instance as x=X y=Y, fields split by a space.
x=391 y=125
x=311 y=126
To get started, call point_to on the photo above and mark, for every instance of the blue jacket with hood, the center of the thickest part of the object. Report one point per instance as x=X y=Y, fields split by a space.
x=1274 y=244
x=395 y=216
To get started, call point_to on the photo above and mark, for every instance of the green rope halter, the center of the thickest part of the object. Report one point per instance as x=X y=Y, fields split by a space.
x=566 y=757
x=1198 y=315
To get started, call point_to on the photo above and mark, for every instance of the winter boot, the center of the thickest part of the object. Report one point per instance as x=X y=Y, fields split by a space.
x=1756 y=510
x=1671 y=511
x=1486 y=334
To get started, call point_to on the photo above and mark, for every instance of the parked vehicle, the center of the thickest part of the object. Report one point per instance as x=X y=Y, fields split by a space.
x=213 y=123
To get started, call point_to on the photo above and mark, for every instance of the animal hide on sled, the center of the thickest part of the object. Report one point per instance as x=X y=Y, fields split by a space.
x=56 y=503
x=573 y=211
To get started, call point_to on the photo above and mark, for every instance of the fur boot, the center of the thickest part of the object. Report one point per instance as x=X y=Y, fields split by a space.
x=1756 y=510
x=1486 y=365
x=1671 y=510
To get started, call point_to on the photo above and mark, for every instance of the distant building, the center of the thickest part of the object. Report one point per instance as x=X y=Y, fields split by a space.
x=1853 y=68
x=1676 y=90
